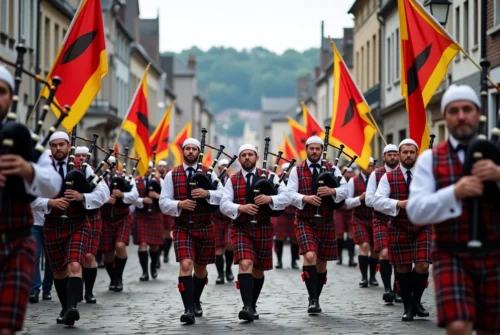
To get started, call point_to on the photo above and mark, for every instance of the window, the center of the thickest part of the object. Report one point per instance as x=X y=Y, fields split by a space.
x=497 y=12
x=22 y=14
x=402 y=134
x=396 y=55
x=4 y=17
x=46 y=53
x=389 y=138
x=357 y=67
x=466 y=26
x=374 y=60
x=475 y=15
x=11 y=16
x=457 y=25
x=441 y=133
x=388 y=64
x=56 y=40
x=367 y=69
x=361 y=75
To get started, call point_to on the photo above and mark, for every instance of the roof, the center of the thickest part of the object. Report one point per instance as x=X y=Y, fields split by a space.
x=386 y=9
x=124 y=29
x=325 y=74
x=181 y=70
x=279 y=104
x=149 y=26
x=356 y=2
x=140 y=50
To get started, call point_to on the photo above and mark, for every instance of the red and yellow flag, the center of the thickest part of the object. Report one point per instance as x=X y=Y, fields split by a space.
x=81 y=63
x=288 y=150
x=299 y=136
x=426 y=51
x=350 y=125
x=160 y=138
x=176 y=146
x=137 y=124
x=207 y=158
x=312 y=125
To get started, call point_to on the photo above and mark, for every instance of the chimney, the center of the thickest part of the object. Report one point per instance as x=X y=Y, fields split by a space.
x=192 y=62
x=317 y=72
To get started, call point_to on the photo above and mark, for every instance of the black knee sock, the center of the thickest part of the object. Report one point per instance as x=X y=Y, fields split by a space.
x=386 y=273
x=167 y=243
x=199 y=285
x=89 y=276
x=119 y=267
x=143 y=259
x=155 y=256
x=350 y=248
x=404 y=281
x=363 y=266
x=257 y=288
x=245 y=281
x=186 y=287
x=321 y=281
x=373 y=267
x=418 y=284
x=396 y=276
x=310 y=277
x=219 y=264
x=74 y=288
x=229 y=259
x=278 y=248
x=60 y=285
x=110 y=269
x=340 y=247
x=98 y=257
x=295 y=252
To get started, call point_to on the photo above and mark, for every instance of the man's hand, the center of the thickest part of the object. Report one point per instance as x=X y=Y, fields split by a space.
x=263 y=200
x=468 y=186
x=312 y=199
x=15 y=165
x=362 y=196
x=59 y=203
x=199 y=193
x=325 y=191
x=147 y=201
x=251 y=209
x=112 y=200
x=153 y=195
x=402 y=204
x=73 y=195
x=117 y=193
x=485 y=169
x=187 y=204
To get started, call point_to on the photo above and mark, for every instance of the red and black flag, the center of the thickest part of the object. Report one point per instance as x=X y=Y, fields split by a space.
x=160 y=138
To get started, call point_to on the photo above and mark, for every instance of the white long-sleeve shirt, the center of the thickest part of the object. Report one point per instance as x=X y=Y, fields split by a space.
x=169 y=205
x=46 y=181
x=131 y=196
x=38 y=216
x=297 y=198
x=382 y=203
x=351 y=200
x=371 y=188
x=229 y=208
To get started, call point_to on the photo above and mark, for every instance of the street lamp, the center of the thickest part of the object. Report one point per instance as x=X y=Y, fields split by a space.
x=439 y=9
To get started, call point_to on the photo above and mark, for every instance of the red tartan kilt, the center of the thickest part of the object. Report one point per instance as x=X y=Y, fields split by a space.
x=409 y=247
x=222 y=232
x=148 y=228
x=380 y=239
x=114 y=232
x=362 y=231
x=255 y=244
x=17 y=270
x=65 y=242
x=342 y=222
x=283 y=226
x=94 y=233
x=168 y=222
x=319 y=238
x=195 y=244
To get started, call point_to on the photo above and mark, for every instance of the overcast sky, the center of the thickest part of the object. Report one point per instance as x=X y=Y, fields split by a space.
x=277 y=25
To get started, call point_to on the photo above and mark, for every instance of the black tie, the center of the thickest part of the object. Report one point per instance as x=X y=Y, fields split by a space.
x=408 y=181
x=61 y=169
x=315 y=168
x=461 y=146
x=190 y=173
x=249 y=193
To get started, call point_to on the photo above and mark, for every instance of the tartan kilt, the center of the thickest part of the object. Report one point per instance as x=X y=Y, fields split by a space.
x=114 y=232
x=17 y=270
x=319 y=238
x=168 y=222
x=222 y=232
x=362 y=231
x=94 y=233
x=283 y=226
x=197 y=244
x=407 y=247
x=65 y=242
x=467 y=288
x=148 y=228
x=380 y=239
x=255 y=244
x=342 y=220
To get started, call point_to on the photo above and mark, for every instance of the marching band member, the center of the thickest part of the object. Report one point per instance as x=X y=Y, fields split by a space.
x=194 y=242
x=316 y=236
x=252 y=242
x=168 y=221
x=408 y=244
x=466 y=280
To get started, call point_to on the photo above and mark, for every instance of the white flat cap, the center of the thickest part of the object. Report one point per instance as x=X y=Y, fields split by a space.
x=150 y=164
x=459 y=92
x=315 y=139
x=372 y=161
x=162 y=163
x=285 y=166
x=192 y=141
x=247 y=147
x=59 y=135
x=408 y=141
x=7 y=77
x=81 y=150
x=223 y=161
x=112 y=159
x=390 y=147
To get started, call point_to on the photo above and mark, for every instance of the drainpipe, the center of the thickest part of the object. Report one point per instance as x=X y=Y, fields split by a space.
x=37 y=57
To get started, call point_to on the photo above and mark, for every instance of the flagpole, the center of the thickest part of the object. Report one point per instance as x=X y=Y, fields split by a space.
x=376 y=126
x=495 y=85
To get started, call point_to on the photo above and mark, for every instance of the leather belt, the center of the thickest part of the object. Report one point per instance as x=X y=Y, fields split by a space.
x=315 y=220
x=7 y=237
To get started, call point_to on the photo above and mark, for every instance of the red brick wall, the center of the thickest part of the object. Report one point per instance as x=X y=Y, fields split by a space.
x=492 y=41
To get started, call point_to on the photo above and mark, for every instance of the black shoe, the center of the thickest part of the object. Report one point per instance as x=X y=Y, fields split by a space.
x=198 y=311
x=119 y=285
x=158 y=263
x=80 y=299
x=144 y=277
x=279 y=265
x=373 y=281
x=397 y=297
x=294 y=265
x=165 y=259
x=246 y=314
x=408 y=315
x=220 y=280
x=47 y=296
x=72 y=315
x=188 y=317
x=34 y=298
x=388 y=296
x=100 y=265
x=112 y=285
x=313 y=307
x=229 y=274
x=89 y=298
x=352 y=263
x=339 y=262
x=255 y=313
x=420 y=311
x=61 y=318
x=363 y=283
x=154 y=272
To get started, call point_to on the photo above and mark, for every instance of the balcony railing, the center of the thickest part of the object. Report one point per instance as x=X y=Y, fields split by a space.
x=103 y=107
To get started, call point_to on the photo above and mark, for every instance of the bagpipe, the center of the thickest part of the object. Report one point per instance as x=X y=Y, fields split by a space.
x=267 y=185
x=122 y=182
x=478 y=149
x=152 y=185
x=16 y=138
